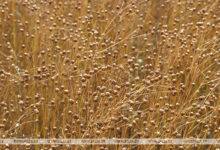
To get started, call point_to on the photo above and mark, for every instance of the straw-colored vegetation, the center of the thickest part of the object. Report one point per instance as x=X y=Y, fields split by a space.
x=109 y=68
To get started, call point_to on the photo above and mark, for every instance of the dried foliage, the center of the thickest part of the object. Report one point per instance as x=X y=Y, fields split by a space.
x=109 y=68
